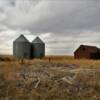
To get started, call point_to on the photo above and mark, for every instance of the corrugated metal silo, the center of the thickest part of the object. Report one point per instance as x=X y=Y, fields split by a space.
x=22 y=48
x=38 y=47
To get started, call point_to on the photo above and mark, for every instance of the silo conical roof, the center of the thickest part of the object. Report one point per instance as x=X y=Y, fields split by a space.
x=37 y=40
x=21 y=38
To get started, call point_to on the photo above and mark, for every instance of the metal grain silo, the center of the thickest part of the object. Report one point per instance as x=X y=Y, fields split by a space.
x=22 y=48
x=38 y=48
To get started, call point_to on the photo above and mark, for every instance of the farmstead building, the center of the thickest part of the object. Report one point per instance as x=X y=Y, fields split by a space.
x=38 y=48
x=23 y=49
x=87 y=52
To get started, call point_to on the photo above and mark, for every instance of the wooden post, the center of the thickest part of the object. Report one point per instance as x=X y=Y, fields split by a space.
x=49 y=60
x=21 y=61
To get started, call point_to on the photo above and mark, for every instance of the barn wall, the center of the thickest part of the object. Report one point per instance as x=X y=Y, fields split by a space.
x=95 y=55
x=81 y=54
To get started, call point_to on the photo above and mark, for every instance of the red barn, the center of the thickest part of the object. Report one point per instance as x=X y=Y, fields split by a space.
x=88 y=52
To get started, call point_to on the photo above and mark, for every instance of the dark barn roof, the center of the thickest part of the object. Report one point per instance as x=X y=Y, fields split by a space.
x=88 y=48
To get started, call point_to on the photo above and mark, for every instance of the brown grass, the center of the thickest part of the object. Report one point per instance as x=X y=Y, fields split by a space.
x=88 y=63
x=86 y=84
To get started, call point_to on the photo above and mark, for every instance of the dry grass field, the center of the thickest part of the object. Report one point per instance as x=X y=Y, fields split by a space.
x=50 y=78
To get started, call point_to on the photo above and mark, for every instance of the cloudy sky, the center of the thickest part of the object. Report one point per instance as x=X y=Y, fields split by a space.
x=62 y=24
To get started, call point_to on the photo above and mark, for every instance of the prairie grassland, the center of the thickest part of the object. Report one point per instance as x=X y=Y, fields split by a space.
x=50 y=78
x=54 y=59
x=88 y=63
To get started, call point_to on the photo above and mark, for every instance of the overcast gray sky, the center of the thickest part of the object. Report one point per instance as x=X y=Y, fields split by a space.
x=62 y=24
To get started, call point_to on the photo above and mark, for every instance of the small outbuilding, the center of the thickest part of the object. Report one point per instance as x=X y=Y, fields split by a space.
x=38 y=48
x=22 y=48
x=87 y=52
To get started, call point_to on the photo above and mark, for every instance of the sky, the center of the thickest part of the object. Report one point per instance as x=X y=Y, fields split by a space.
x=62 y=24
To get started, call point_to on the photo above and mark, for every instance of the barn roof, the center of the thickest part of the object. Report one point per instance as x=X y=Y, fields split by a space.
x=37 y=40
x=91 y=49
x=21 y=38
